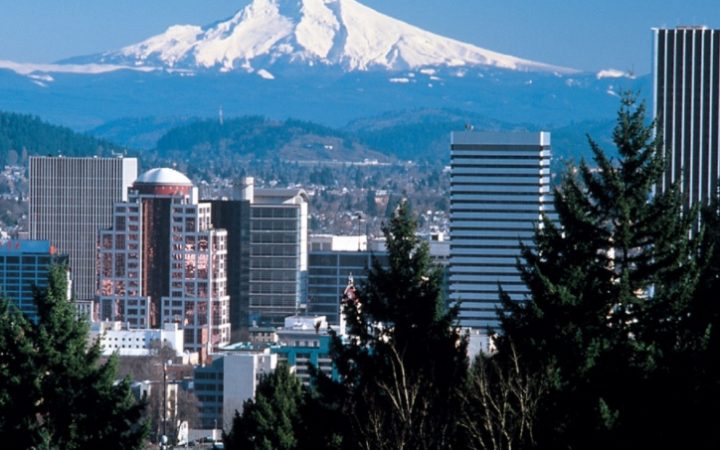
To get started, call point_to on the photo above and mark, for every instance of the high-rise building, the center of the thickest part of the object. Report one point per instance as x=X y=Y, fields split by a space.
x=267 y=252
x=234 y=216
x=70 y=200
x=686 y=105
x=499 y=187
x=162 y=261
x=330 y=264
x=24 y=266
x=278 y=254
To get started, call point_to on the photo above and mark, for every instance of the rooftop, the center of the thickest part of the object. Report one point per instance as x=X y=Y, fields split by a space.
x=273 y=195
x=165 y=176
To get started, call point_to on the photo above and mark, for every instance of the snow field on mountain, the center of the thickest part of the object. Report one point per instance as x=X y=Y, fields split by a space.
x=344 y=33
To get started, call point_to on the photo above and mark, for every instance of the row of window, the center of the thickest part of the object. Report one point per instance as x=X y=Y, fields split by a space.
x=25 y=260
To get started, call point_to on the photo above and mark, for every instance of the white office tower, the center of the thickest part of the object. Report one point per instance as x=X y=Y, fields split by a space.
x=686 y=94
x=163 y=262
x=70 y=200
x=499 y=187
x=278 y=256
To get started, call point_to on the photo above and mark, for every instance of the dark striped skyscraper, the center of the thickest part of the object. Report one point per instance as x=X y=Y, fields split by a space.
x=267 y=252
x=499 y=186
x=687 y=107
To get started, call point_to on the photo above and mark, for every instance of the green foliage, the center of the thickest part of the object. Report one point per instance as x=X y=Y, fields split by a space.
x=421 y=134
x=54 y=393
x=24 y=134
x=271 y=421
x=404 y=361
x=699 y=365
x=612 y=284
x=246 y=137
x=211 y=132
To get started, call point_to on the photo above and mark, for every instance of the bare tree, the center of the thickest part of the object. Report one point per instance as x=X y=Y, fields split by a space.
x=397 y=413
x=182 y=407
x=502 y=403
x=146 y=367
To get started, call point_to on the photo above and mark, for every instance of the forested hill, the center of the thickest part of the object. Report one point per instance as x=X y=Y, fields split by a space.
x=255 y=137
x=22 y=135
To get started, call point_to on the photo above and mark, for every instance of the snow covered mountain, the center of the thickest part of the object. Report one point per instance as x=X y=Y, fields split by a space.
x=327 y=61
x=341 y=33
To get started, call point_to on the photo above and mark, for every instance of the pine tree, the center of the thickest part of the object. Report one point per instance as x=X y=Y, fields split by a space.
x=697 y=368
x=19 y=386
x=404 y=362
x=271 y=420
x=611 y=283
x=54 y=392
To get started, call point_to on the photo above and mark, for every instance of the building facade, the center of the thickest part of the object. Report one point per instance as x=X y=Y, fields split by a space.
x=224 y=385
x=303 y=341
x=499 y=187
x=234 y=217
x=278 y=254
x=25 y=264
x=268 y=231
x=328 y=271
x=118 y=337
x=162 y=261
x=70 y=200
x=686 y=106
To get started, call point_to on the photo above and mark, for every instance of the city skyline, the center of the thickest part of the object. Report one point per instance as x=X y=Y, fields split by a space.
x=611 y=34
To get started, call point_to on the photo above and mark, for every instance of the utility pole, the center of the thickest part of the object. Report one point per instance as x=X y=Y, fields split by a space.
x=165 y=402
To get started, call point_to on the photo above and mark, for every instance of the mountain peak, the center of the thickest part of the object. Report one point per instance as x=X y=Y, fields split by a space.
x=342 y=33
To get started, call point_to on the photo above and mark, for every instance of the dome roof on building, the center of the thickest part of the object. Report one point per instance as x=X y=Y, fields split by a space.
x=164 y=176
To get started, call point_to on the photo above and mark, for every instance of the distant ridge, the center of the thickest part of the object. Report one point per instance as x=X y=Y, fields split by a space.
x=22 y=135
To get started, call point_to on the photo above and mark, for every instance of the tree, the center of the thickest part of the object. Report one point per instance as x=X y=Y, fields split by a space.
x=371 y=207
x=404 y=362
x=698 y=367
x=53 y=391
x=501 y=404
x=271 y=420
x=611 y=284
x=182 y=406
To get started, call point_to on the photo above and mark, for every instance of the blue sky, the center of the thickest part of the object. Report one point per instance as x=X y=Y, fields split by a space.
x=584 y=34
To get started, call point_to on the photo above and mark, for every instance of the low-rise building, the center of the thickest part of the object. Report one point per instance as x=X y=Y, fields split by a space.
x=24 y=265
x=263 y=335
x=304 y=341
x=224 y=385
x=120 y=338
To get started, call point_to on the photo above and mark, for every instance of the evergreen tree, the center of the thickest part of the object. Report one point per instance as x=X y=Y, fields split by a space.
x=271 y=420
x=611 y=285
x=21 y=133
x=697 y=369
x=706 y=309
x=371 y=208
x=404 y=362
x=54 y=393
